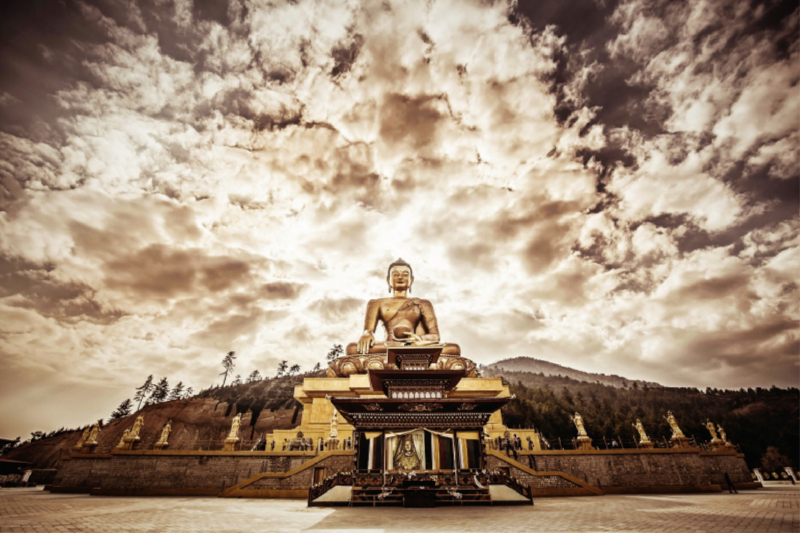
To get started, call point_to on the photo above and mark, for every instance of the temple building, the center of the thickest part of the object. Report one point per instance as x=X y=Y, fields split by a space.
x=415 y=414
x=403 y=420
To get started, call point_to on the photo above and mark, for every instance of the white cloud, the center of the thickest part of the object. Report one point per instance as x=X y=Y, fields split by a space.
x=245 y=198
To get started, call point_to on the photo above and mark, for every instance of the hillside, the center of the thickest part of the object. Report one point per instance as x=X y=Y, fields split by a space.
x=536 y=366
x=545 y=399
x=200 y=422
x=753 y=419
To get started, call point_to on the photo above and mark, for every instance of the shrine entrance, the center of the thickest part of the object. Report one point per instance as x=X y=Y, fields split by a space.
x=413 y=445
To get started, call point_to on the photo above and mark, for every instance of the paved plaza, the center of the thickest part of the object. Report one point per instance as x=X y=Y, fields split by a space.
x=775 y=508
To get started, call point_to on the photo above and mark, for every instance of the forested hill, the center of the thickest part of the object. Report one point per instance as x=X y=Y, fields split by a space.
x=529 y=364
x=754 y=419
x=201 y=421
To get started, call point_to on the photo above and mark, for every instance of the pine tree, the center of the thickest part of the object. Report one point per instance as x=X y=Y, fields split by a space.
x=317 y=367
x=122 y=411
x=227 y=363
x=282 y=366
x=177 y=392
x=237 y=380
x=143 y=391
x=189 y=392
x=254 y=377
x=335 y=352
x=160 y=392
x=295 y=369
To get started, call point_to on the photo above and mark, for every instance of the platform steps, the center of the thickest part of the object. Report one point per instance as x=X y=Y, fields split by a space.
x=367 y=488
x=375 y=497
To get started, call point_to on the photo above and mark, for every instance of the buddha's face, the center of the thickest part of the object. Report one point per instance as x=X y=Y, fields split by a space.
x=400 y=278
x=407 y=446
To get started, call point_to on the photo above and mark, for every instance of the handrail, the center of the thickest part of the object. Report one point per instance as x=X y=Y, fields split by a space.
x=528 y=470
x=335 y=480
x=282 y=475
x=497 y=477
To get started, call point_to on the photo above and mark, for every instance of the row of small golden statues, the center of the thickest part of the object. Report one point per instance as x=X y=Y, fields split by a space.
x=678 y=438
x=130 y=437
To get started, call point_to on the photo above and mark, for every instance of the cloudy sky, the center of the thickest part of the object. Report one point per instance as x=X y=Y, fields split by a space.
x=608 y=185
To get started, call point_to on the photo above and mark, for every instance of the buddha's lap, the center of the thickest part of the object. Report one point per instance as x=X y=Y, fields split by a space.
x=380 y=347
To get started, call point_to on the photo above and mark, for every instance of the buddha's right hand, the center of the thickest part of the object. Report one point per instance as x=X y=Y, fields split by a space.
x=365 y=342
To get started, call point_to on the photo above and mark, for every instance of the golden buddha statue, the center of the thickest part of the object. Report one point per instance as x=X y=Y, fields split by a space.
x=408 y=322
x=406 y=456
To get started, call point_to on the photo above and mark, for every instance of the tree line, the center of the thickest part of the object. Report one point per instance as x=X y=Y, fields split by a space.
x=755 y=419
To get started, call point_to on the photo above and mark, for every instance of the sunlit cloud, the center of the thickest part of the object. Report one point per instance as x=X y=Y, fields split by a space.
x=616 y=193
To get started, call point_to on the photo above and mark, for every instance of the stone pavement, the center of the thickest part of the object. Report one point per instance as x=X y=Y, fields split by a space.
x=775 y=508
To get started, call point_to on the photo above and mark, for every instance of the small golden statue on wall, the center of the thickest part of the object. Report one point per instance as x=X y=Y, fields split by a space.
x=133 y=435
x=584 y=442
x=91 y=442
x=578 y=421
x=724 y=437
x=678 y=438
x=233 y=436
x=137 y=427
x=123 y=441
x=333 y=440
x=644 y=440
x=716 y=443
x=162 y=442
x=673 y=424
x=710 y=428
x=79 y=445
x=335 y=425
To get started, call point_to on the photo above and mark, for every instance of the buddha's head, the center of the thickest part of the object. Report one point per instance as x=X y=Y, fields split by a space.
x=399 y=276
x=408 y=446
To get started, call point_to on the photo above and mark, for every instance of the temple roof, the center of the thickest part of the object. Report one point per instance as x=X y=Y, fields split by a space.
x=443 y=412
x=380 y=380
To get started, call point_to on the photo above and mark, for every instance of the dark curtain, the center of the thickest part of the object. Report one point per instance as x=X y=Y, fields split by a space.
x=446 y=458
x=428 y=451
x=363 y=451
x=473 y=454
x=377 y=453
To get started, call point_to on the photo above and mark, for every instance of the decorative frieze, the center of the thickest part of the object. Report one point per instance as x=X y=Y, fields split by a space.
x=420 y=419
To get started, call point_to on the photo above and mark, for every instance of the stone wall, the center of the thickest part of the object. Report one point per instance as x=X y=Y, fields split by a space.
x=171 y=472
x=644 y=470
x=290 y=474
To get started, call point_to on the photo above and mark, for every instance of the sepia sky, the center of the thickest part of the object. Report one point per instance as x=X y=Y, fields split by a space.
x=608 y=185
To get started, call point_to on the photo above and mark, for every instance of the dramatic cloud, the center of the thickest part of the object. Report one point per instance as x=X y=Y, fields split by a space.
x=607 y=185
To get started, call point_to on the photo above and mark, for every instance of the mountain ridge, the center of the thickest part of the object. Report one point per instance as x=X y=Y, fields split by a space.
x=537 y=366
